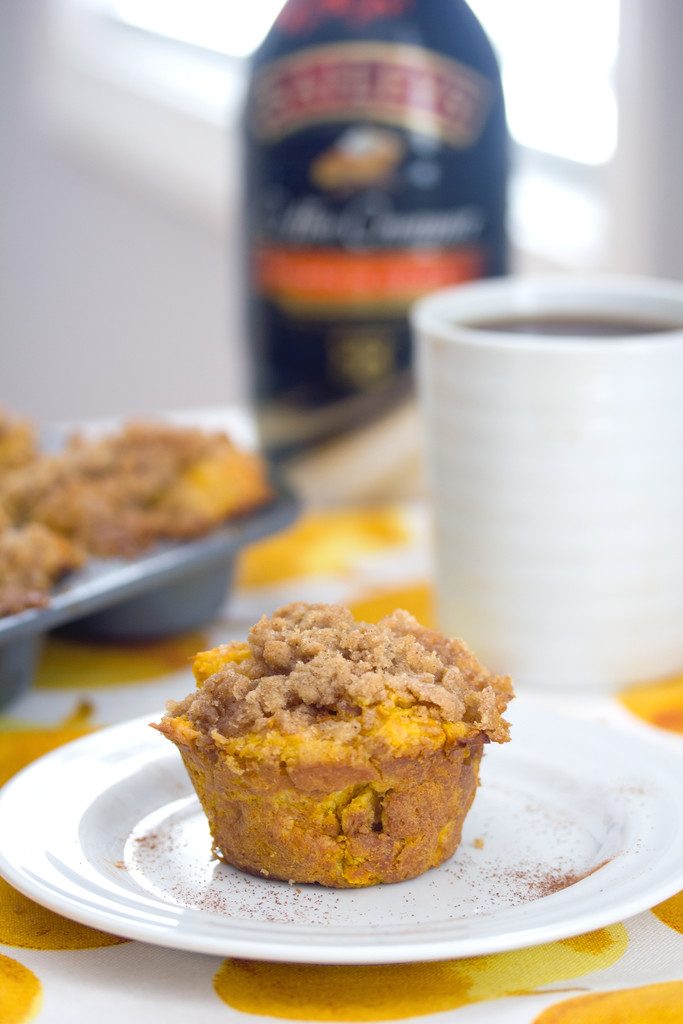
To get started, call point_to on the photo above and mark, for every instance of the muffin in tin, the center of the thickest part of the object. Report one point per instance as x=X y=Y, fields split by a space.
x=335 y=751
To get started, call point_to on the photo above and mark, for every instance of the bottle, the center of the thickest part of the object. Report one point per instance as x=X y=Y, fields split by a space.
x=376 y=166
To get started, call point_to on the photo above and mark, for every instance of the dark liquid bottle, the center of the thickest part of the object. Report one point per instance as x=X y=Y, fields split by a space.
x=376 y=172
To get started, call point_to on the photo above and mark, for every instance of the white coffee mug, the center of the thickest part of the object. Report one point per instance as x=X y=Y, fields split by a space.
x=556 y=468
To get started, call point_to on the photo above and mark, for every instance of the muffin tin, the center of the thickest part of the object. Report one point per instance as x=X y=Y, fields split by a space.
x=171 y=588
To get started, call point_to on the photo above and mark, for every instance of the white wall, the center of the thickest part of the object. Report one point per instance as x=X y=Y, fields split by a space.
x=111 y=299
x=115 y=299
x=647 y=183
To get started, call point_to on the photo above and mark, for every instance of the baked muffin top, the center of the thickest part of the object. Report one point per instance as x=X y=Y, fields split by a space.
x=17 y=442
x=32 y=558
x=313 y=670
x=117 y=494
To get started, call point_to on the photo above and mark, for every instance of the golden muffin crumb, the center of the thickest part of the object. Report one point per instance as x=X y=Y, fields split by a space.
x=329 y=750
x=32 y=559
x=314 y=667
x=17 y=442
x=117 y=494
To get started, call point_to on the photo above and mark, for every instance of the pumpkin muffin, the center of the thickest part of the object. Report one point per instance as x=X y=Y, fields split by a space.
x=118 y=494
x=334 y=751
x=32 y=559
x=17 y=442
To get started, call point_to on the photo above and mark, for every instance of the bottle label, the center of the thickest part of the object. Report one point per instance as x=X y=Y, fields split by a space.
x=305 y=281
x=345 y=245
x=373 y=179
x=401 y=85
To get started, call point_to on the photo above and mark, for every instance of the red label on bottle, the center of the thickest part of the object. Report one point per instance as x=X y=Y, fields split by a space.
x=313 y=280
x=401 y=85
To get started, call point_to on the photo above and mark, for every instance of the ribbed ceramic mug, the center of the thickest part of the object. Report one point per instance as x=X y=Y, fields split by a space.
x=556 y=468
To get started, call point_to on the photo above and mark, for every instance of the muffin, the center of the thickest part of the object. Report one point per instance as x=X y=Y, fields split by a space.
x=32 y=559
x=118 y=494
x=17 y=442
x=334 y=751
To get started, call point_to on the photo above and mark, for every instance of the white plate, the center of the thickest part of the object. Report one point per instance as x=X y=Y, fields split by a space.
x=108 y=832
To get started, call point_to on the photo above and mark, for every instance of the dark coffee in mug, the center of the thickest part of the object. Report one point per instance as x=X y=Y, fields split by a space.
x=574 y=326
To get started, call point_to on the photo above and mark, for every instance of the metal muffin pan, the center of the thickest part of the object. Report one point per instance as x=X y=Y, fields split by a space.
x=169 y=589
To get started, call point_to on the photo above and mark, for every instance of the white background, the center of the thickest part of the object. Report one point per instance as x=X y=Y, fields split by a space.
x=119 y=273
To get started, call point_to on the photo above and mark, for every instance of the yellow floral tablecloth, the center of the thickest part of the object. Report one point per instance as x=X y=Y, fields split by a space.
x=58 y=971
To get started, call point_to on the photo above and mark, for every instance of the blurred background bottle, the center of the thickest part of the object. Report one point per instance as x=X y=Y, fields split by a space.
x=376 y=167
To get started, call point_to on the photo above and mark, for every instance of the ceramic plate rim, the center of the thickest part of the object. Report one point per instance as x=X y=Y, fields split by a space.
x=206 y=932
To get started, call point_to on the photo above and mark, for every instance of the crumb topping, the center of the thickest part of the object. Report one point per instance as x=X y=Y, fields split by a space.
x=17 y=442
x=32 y=558
x=315 y=668
x=117 y=494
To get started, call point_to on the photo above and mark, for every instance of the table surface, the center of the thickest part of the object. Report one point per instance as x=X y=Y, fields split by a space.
x=373 y=559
